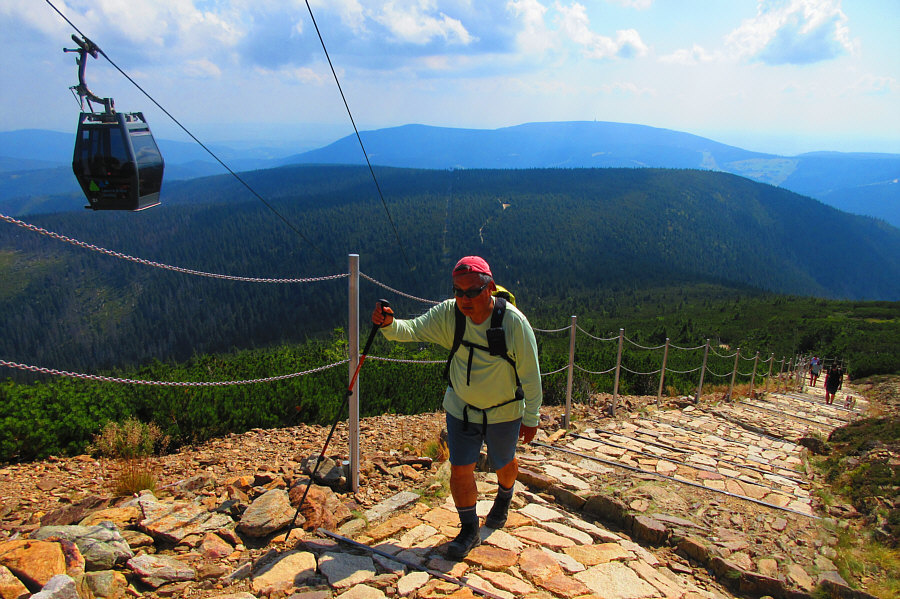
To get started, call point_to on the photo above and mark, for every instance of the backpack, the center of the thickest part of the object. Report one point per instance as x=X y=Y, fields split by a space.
x=496 y=347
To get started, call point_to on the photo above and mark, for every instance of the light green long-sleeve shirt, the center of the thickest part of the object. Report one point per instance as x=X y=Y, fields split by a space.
x=492 y=379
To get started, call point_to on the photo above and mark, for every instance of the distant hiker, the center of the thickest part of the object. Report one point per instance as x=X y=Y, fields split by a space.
x=494 y=387
x=815 y=369
x=832 y=382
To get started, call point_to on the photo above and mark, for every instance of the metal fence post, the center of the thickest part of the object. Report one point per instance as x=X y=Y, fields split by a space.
x=702 y=372
x=753 y=376
x=618 y=369
x=662 y=373
x=568 y=419
x=353 y=330
x=734 y=374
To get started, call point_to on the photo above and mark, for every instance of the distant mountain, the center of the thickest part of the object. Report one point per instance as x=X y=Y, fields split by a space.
x=832 y=177
x=567 y=241
x=859 y=183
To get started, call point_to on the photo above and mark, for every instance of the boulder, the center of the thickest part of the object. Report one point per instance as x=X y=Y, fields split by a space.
x=269 y=513
x=72 y=514
x=157 y=570
x=33 y=562
x=108 y=584
x=10 y=586
x=102 y=545
x=322 y=507
x=60 y=586
x=328 y=473
x=172 y=522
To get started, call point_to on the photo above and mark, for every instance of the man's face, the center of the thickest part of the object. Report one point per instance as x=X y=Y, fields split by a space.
x=477 y=308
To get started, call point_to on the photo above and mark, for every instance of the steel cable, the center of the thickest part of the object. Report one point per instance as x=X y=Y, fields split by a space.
x=111 y=379
x=145 y=262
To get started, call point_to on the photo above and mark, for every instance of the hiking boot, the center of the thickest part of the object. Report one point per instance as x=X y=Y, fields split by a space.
x=496 y=518
x=467 y=540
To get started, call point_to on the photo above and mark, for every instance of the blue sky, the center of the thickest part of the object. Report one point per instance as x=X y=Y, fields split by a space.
x=784 y=76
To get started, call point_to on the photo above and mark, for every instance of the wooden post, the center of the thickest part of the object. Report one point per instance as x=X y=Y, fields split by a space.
x=734 y=374
x=618 y=370
x=568 y=419
x=662 y=373
x=702 y=372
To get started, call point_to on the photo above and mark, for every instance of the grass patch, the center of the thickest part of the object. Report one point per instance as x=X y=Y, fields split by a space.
x=131 y=444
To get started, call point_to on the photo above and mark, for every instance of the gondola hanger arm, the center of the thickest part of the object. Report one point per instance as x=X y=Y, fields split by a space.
x=85 y=47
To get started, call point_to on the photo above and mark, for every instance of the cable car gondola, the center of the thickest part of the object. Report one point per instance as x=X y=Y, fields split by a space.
x=116 y=160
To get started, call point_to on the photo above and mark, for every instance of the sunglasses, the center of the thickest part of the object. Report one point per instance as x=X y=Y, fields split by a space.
x=469 y=293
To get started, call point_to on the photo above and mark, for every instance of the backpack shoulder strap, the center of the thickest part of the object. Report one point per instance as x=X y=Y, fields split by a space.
x=458 y=332
x=499 y=311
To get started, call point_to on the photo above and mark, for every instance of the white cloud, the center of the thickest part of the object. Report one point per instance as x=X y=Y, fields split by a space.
x=535 y=37
x=793 y=32
x=576 y=26
x=201 y=69
x=694 y=56
x=414 y=21
x=301 y=75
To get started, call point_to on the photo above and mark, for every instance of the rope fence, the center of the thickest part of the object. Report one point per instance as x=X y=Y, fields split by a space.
x=795 y=366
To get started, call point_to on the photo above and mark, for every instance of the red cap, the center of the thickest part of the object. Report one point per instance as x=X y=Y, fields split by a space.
x=472 y=264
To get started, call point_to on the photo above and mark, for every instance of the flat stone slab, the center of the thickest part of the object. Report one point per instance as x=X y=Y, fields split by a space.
x=344 y=570
x=615 y=580
x=391 y=505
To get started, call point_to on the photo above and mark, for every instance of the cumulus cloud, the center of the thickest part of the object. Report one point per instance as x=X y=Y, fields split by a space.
x=576 y=26
x=418 y=22
x=534 y=36
x=793 y=32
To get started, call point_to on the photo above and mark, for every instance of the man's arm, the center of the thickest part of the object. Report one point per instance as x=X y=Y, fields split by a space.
x=528 y=369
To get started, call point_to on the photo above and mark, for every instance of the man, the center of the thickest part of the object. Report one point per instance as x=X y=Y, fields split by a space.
x=482 y=401
x=815 y=368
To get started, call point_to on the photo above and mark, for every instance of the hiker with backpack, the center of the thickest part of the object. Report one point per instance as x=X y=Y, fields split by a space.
x=494 y=387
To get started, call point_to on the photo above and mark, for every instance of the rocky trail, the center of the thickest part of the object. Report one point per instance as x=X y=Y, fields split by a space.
x=687 y=501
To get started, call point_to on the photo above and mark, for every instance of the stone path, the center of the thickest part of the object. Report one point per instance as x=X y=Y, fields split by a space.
x=710 y=494
x=711 y=501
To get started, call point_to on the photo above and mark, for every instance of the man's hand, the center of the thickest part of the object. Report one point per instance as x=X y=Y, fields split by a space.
x=383 y=316
x=526 y=433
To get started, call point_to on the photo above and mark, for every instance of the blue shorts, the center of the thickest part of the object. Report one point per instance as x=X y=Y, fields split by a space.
x=465 y=445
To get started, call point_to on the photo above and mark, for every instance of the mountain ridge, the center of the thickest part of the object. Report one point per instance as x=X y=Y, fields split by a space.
x=860 y=182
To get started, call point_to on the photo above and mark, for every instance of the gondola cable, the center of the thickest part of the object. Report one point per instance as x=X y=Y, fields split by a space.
x=358 y=137
x=201 y=144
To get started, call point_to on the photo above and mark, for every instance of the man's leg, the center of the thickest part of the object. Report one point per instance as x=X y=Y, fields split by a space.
x=464 y=443
x=506 y=479
x=465 y=496
x=502 y=438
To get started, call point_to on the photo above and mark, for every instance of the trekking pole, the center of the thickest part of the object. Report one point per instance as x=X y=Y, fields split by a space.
x=362 y=358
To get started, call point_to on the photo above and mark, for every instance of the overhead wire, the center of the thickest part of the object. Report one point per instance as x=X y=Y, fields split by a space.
x=358 y=137
x=284 y=219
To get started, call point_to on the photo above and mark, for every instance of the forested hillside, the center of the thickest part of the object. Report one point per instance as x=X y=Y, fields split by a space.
x=567 y=241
